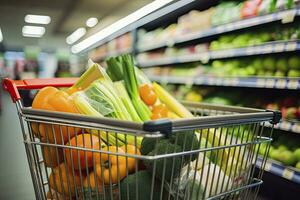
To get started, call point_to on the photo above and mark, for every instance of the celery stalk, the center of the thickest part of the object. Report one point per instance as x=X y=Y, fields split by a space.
x=84 y=108
x=106 y=89
x=126 y=100
x=114 y=68
x=132 y=88
x=109 y=91
x=92 y=73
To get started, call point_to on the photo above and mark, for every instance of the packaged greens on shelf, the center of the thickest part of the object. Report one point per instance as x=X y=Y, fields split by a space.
x=226 y=12
x=267 y=6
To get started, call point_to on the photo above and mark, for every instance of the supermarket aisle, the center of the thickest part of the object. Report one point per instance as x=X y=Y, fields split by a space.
x=15 y=180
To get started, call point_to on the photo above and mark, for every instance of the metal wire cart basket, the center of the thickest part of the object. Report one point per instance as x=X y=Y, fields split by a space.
x=211 y=156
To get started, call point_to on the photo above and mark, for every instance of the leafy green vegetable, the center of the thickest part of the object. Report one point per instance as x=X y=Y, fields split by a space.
x=132 y=88
x=120 y=88
x=141 y=180
x=187 y=140
x=114 y=68
x=166 y=168
x=122 y=68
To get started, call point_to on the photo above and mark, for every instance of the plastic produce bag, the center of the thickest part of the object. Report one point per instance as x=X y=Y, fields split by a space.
x=267 y=6
x=209 y=181
x=284 y=4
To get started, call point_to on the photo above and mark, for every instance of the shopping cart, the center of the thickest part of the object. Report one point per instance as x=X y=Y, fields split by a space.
x=222 y=165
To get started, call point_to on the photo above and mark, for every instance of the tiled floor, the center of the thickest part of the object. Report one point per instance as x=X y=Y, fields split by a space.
x=15 y=180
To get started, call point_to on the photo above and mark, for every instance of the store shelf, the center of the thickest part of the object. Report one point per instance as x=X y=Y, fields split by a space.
x=252 y=82
x=113 y=53
x=288 y=126
x=284 y=16
x=266 y=48
x=280 y=170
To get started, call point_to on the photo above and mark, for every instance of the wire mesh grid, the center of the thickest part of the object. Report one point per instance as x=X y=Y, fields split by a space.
x=69 y=158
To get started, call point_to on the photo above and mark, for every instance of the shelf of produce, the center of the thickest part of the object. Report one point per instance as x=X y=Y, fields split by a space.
x=279 y=169
x=113 y=53
x=284 y=16
x=266 y=48
x=253 y=82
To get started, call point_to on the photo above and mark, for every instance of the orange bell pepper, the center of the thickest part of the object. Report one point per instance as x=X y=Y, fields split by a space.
x=131 y=149
x=111 y=168
x=52 y=99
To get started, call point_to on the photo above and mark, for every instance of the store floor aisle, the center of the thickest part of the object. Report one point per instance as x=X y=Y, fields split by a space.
x=15 y=180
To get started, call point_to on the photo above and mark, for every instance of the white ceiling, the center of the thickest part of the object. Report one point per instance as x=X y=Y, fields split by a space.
x=66 y=16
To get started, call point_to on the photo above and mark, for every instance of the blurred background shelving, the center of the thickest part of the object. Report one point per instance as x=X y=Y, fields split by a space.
x=230 y=52
x=242 y=53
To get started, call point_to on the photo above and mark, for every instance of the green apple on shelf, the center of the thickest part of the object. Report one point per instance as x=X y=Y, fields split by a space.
x=293 y=73
x=294 y=62
x=297 y=154
x=282 y=65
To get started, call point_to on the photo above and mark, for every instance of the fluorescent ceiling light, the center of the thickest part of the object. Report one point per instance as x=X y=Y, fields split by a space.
x=1 y=36
x=91 y=22
x=33 y=31
x=37 y=19
x=140 y=13
x=76 y=35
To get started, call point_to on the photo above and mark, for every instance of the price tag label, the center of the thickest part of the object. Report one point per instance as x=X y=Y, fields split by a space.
x=220 y=29
x=260 y=82
x=218 y=54
x=288 y=174
x=164 y=79
x=249 y=51
x=268 y=166
x=211 y=81
x=226 y=81
x=187 y=58
x=170 y=43
x=244 y=23
x=281 y=83
x=219 y=81
x=268 y=48
x=189 y=81
x=230 y=53
x=279 y=47
x=199 y=81
x=234 y=82
x=204 y=57
x=296 y=128
x=288 y=16
x=229 y=27
x=268 y=18
x=285 y=125
x=293 y=84
x=270 y=83
x=257 y=50
x=291 y=46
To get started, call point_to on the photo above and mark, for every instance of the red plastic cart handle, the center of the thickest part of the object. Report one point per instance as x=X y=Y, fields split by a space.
x=12 y=86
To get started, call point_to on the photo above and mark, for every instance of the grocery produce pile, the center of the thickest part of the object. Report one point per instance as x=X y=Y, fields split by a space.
x=269 y=66
x=225 y=12
x=123 y=92
x=250 y=38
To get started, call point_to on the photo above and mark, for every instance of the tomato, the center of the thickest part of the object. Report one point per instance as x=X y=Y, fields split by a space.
x=159 y=111
x=161 y=108
x=155 y=116
x=81 y=159
x=147 y=94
